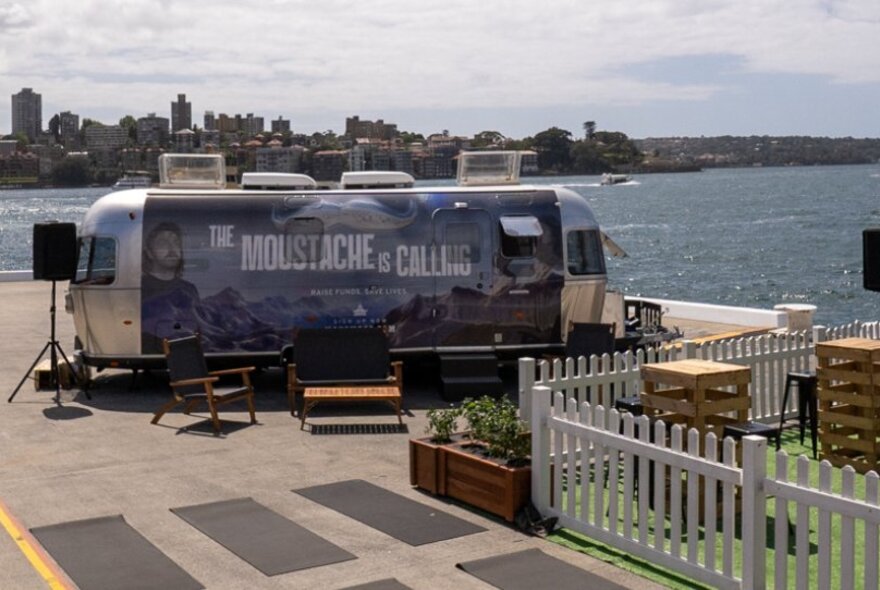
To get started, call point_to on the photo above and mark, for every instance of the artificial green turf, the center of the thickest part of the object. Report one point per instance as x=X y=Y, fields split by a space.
x=790 y=444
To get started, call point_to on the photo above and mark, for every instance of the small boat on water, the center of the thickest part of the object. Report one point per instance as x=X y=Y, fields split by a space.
x=609 y=179
x=127 y=182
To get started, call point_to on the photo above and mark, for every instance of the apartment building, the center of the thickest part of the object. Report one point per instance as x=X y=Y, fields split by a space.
x=279 y=159
x=181 y=114
x=280 y=125
x=69 y=130
x=152 y=130
x=27 y=113
x=252 y=125
x=105 y=137
x=355 y=128
x=328 y=165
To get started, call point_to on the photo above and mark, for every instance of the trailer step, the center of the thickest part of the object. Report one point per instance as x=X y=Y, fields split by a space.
x=469 y=375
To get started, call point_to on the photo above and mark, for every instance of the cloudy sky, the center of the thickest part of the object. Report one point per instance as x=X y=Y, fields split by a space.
x=649 y=68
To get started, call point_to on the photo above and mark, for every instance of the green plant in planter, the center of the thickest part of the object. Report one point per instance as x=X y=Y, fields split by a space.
x=478 y=413
x=496 y=423
x=442 y=422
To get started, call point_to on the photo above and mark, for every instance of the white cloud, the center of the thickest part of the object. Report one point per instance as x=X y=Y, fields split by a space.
x=294 y=56
x=12 y=15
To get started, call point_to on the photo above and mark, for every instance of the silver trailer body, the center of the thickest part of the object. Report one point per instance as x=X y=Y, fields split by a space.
x=108 y=298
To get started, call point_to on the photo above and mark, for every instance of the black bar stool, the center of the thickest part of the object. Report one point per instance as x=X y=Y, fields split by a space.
x=807 y=404
x=741 y=429
x=631 y=404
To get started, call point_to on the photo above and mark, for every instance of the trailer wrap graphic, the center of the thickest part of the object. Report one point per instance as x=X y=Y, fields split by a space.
x=246 y=272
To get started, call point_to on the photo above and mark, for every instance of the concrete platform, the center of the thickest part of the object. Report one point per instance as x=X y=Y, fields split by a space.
x=88 y=458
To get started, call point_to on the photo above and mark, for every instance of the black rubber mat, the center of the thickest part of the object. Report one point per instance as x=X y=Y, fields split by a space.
x=393 y=514
x=389 y=584
x=532 y=568
x=107 y=553
x=263 y=538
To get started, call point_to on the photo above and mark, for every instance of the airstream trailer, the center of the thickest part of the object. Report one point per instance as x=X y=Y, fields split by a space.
x=489 y=266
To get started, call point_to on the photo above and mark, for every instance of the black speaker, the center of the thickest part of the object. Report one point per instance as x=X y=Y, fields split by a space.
x=871 y=259
x=54 y=251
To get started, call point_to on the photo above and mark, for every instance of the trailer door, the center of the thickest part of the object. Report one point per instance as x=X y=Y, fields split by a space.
x=462 y=257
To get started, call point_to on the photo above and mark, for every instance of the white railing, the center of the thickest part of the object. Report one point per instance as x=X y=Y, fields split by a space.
x=853 y=329
x=591 y=468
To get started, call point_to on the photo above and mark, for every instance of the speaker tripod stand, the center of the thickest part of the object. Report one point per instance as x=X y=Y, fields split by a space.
x=54 y=350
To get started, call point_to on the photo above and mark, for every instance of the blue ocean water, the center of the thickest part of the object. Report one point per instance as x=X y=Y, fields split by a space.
x=748 y=237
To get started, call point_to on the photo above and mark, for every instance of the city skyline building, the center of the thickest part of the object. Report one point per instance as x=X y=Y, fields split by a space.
x=280 y=125
x=105 y=137
x=69 y=129
x=181 y=114
x=27 y=113
x=355 y=129
x=253 y=125
x=152 y=130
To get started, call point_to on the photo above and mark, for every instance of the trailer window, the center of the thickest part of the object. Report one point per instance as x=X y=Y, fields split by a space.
x=584 y=251
x=519 y=235
x=96 y=262
x=84 y=248
x=464 y=234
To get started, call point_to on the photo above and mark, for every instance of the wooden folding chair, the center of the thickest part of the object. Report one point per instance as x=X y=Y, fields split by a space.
x=192 y=383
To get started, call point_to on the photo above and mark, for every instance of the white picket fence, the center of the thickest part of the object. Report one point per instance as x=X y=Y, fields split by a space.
x=590 y=470
x=601 y=380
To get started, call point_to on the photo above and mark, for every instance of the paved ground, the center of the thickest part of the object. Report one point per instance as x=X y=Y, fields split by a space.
x=98 y=457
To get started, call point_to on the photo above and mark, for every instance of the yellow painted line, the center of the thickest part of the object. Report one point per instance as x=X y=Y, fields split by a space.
x=31 y=549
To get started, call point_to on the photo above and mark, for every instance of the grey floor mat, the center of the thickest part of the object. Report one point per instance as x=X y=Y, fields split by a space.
x=389 y=584
x=532 y=568
x=404 y=519
x=268 y=541
x=107 y=554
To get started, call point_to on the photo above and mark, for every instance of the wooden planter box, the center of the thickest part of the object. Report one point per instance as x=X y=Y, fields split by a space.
x=425 y=466
x=485 y=483
x=452 y=470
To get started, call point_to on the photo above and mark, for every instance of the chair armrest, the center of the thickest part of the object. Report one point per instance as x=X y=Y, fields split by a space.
x=233 y=371
x=397 y=367
x=291 y=377
x=194 y=381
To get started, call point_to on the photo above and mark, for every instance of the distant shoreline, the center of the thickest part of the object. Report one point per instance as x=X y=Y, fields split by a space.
x=652 y=169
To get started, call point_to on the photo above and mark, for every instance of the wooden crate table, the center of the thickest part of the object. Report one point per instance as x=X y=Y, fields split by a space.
x=848 y=375
x=688 y=392
x=313 y=396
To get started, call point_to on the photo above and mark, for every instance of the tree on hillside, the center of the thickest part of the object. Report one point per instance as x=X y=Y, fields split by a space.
x=589 y=129
x=586 y=159
x=488 y=139
x=554 y=149
x=526 y=143
x=326 y=140
x=71 y=172
x=21 y=141
x=409 y=137
x=86 y=123
x=129 y=123
x=616 y=149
